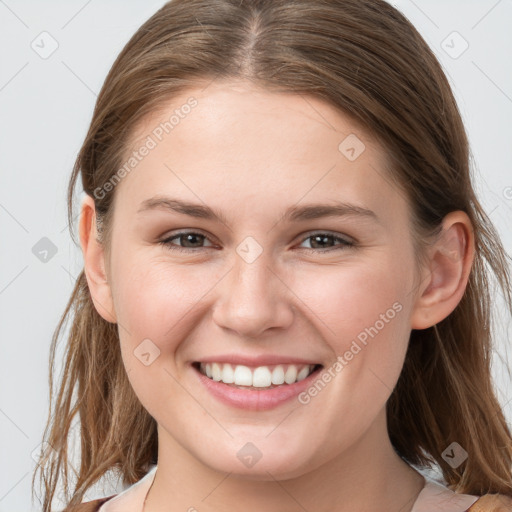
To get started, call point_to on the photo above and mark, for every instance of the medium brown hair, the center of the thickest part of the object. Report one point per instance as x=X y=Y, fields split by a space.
x=367 y=60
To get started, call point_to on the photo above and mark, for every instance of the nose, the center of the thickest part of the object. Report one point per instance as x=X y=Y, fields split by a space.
x=253 y=299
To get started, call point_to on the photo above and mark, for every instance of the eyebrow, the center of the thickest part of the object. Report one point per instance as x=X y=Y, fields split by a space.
x=292 y=214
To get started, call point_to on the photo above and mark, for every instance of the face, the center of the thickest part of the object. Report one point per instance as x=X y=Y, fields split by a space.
x=308 y=263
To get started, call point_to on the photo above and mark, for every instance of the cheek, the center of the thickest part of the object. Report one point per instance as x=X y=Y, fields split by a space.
x=152 y=292
x=362 y=312
x=346 y=301
x=159 y=300
x=153 y=301
x=155 y=298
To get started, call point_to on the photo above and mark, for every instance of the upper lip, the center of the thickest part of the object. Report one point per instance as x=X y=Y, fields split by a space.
x=262 y=360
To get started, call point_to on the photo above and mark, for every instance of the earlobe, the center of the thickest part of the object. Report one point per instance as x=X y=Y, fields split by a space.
x=445 y=280
x=94 y=262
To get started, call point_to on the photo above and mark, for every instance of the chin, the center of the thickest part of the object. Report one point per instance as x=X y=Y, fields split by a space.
x=251 y=463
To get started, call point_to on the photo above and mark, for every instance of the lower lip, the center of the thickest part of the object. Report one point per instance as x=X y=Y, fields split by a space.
x=252 y=399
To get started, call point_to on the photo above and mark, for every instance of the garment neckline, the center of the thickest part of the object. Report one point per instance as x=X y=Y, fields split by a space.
x=132 y=498
x=436 y=496
x=433 y=495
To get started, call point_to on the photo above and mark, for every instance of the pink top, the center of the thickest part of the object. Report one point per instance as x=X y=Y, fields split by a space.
x=438 y=498
x=433 y=497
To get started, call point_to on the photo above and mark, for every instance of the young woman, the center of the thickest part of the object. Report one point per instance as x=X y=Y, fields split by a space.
x=286 y=296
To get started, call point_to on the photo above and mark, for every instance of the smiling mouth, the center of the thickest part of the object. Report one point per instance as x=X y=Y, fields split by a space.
x=256 y=378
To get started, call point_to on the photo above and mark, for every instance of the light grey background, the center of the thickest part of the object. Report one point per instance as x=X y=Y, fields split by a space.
x=45 y=107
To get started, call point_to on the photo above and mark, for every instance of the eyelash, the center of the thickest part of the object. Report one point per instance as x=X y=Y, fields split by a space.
x=172 y=247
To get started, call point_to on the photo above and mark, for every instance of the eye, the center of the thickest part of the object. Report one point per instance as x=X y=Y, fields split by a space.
x=320 y=238
x=191 y=240
x=188 y=237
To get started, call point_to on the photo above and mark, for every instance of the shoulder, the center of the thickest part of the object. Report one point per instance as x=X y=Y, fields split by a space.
x=492 y=503
x=132 y=497
x=89 y=506
x=436 y=496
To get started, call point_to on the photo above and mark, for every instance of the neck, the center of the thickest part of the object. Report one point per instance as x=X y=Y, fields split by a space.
x=368 y=476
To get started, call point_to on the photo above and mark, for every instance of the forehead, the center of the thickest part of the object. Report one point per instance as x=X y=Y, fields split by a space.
x=246 y=111
x=234 y=140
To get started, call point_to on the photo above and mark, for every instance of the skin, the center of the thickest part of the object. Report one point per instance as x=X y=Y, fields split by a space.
x=251 y=154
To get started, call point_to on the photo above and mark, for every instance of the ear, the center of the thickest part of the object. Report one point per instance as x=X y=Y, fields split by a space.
x=444 y=281
x=94 y=262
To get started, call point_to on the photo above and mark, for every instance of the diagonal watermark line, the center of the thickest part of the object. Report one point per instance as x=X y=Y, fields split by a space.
x=192 y=191
x=108 y=311
x=492 y=81
x=287 y=492
x=198 y=402
x=73 y=220
x=431 y=271
x=486 y=14
x=405 y=197
x=76 y=14
x=402 y=193
x=381 y=381
x=223 y=70
x=213 y=39
x=281 y=422
x=13 y=423
x=14 y=218
x=13 y=279
x=78 y=78
x=305 y=99
x=217 y=486
x=197 y=301
x=494 y=209
x=27 y=473
x=502 y=409
x=301 y=301
x=416 y=287
x=391 y=183
x=14 y=76
x=409 y=503
x=212 y=80
x=73 y=278
x=424 y=14
x=312 y=187
x=13 y=13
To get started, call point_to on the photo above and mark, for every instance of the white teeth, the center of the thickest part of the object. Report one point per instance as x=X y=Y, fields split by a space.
x=243 y=376
x=303 y=374
x=216 y=373
x=260 y=377
x=228 y=376
x=278 y=375
x=291 y=374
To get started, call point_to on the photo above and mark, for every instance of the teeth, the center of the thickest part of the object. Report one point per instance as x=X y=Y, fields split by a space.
x=260 y=377
x=216 y=372
x=243 y=376
x=228 y=375
x=278 y=375
x=291 y=374
x=302 y=374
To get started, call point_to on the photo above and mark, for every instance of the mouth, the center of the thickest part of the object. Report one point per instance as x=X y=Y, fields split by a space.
x=257 y=378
